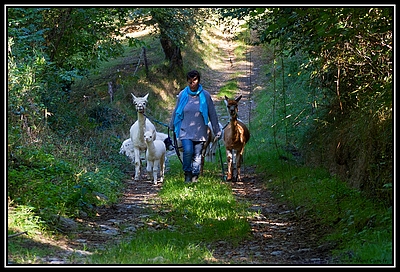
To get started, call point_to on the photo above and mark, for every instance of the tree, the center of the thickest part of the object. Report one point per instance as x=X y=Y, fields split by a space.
x=175 y=27
x=48 y=48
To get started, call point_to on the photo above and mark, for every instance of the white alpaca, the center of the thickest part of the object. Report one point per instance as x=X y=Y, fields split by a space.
x=137 y=130
x=155 y=156
x=127 y=150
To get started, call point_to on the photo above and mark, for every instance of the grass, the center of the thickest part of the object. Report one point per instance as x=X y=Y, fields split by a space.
x=229 y=89
x=161 y=247
x=23 y=227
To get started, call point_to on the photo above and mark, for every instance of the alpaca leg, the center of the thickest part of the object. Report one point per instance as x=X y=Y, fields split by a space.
x=229 y=160
x=239 y=160
x=149 y=168
x=162 y=168
x=137 y=164
x=155 y=171
x=238 y=164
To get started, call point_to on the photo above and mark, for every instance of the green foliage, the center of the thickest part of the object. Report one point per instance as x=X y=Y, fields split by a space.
x=71 y=38
x=362 y=148
x=49 y=48
x=350 y=51
x=23 y=225
x=23 y=218
x=377 y=247
x=177 y=24
x=56 y=187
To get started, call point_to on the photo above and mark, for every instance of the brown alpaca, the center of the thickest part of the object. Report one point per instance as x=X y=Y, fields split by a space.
x=236 y=135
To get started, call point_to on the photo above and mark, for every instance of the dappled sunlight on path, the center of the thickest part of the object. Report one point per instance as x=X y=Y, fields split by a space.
x=278 y=236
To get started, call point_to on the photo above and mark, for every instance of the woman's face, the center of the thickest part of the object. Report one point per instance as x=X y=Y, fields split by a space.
x=193 y=84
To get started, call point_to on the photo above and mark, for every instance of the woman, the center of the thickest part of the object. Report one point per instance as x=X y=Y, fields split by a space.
x=193 y=110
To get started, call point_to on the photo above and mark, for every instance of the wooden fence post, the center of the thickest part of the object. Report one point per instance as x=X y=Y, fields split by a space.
x=145 y=62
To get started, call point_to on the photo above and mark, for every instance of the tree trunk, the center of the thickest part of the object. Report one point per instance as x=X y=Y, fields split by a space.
x=172 y=54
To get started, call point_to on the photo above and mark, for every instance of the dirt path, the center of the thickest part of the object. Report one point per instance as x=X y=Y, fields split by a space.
x=279 y=237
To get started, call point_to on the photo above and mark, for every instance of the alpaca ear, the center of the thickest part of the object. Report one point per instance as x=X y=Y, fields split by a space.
x=145 y=97
x=134 y=97
x=237 y=99
x=226 y=98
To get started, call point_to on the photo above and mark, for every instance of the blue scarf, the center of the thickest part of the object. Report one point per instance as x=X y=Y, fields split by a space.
x=182 y=103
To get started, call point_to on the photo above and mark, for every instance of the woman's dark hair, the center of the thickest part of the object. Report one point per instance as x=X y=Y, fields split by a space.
x=193 y=74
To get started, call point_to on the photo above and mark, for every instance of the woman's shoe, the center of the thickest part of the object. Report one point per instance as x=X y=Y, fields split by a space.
x=188 y=177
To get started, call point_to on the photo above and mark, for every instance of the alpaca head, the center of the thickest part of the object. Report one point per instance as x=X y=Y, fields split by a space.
x=149 y=136
x=140 y=103
x=126 y=146
x=232 y=105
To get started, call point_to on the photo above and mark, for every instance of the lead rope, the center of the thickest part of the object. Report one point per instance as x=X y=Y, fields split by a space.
x=176 y=147
x=222 y=164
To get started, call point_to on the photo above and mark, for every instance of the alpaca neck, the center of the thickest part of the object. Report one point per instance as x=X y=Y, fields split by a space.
x=150 y=145
x=142 y=123
x=234 y=124
x=151 y=153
